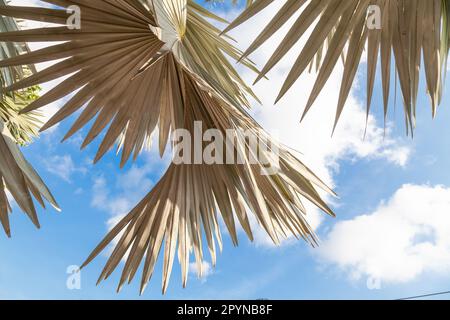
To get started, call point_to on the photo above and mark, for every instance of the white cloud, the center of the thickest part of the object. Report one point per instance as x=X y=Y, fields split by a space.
x=321 y=151
x=206 y=270
x=115 y=204
x=136 y=178
x=63 y=167
x=404 y=238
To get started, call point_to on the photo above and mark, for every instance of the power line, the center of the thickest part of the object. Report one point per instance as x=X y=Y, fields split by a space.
x=427 y=295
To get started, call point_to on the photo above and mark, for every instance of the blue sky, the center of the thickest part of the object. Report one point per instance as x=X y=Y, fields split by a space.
x=390 y=239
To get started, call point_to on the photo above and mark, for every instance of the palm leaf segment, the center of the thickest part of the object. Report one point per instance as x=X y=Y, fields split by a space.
x=411 y=30
x=157 y=66
x=17 y=176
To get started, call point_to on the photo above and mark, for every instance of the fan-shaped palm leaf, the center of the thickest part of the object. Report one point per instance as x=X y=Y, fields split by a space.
x=146 y=66
x=117 y=41
x=411 y=29
x=189 y=197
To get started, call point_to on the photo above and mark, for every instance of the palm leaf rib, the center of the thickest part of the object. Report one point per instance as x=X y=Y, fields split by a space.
x=145 y=67
x=410 y=30
x=17 y=176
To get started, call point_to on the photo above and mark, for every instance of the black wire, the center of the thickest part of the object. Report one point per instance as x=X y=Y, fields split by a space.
x=427 y=295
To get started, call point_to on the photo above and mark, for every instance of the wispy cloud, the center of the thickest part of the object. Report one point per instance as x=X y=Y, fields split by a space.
x=204 y=272
x=118 y=197
x=63 y=166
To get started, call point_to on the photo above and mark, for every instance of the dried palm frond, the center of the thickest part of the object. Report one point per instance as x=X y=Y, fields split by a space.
x=190 y=196
x=17 y=177
x=11 y=74
x=411 y=29
x=118 y=41
x=141 y=67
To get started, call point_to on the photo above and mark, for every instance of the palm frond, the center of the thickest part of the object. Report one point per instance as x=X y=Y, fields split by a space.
x=21 y=180
x=189 y=197
x=410 y=30
x=22 y=127
x=116 y=43
x=157 y=66
x=11 y=74
x=17 y=176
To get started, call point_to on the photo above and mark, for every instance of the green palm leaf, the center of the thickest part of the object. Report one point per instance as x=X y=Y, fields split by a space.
x=22 y=127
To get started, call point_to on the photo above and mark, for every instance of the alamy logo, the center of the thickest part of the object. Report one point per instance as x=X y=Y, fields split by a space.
x=74 y=279
x=374 y=17
x=74 y=19
x=373 y=283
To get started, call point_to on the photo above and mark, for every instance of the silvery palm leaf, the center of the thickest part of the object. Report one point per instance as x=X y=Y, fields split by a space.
x=10 y=75
x=409 y=31
x=189 y=197
x=117 y=41
x=17 y=176
x=140 y=67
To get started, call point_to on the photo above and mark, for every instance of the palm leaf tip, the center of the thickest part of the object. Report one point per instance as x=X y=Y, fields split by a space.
x=411 y=31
